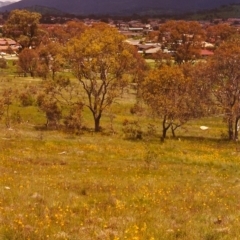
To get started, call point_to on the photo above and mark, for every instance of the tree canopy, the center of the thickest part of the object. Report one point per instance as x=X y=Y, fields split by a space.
x=219 y=33
x=23 y=26
x=175 y=95
x=224 y=73
x=28 y=61
x=182 y=38
x=100 y=60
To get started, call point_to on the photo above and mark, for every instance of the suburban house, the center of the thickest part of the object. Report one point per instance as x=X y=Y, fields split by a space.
x=146 y=48
x=8 y=45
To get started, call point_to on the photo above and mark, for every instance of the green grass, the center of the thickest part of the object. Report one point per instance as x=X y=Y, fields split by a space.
x=104 y=187
x=56 y=185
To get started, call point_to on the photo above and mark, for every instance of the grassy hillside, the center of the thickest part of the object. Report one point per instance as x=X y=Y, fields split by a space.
x=56 y=185
x=224 y=12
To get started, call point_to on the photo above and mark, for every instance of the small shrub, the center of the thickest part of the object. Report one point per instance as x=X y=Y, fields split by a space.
x=151 y=130
x=3 y=63
x=42 y=71
x=111 y=116
x=26 y=99
x=137 y=109
x=16 y=117
x=149 y=158
x=14 y=62
x=73 y=121
x=52 y=110
x=132 y=129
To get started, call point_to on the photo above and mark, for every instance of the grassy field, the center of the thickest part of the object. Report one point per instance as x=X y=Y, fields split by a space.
x=102 y=186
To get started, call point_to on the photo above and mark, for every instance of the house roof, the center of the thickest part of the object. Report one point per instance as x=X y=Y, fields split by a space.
x=8 y=41
x=3 y=48
x=205 y=52
x=144 y=46
x=153 y=50
x=133 y=41
x=11 y=42
x=3 y=42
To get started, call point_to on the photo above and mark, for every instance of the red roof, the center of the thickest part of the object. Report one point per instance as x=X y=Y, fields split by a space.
x=205 y=52
x=3 y=48
x=3 y=42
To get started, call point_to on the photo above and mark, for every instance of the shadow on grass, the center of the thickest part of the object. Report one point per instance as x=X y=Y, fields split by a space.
x=158 y=139
x=201 y=139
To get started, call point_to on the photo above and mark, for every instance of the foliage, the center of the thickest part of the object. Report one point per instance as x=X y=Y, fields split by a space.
x=8 y=96
x=60 y=99
x=28 y=61
x=132 y=129
x=161 y=58
x=50 y=58
x=51 y=108
x=174 y=96
x=27 y=97
x=224 y=73
x=220 y=33
x=22 y=26
x=182 y=38
x=62 y=33
x=100 y=59
x=74 y=120
x=3 y=63
x=16 y=118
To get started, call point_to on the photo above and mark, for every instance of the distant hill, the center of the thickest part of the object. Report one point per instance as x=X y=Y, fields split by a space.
x=45 y=10
x=2 y=4
x=120 y=7
x=223 y=12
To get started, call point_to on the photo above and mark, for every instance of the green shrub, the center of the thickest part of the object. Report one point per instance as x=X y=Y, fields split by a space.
x=3 y=63
x=132 y=129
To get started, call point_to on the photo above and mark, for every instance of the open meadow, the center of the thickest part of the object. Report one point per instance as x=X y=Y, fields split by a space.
x=103 y=186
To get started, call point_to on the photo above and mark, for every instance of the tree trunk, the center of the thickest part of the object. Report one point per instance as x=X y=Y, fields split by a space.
x=164 y=134
x=32 y=74
x=97 y=127
x=53 y=74
x=7 y=118
x=173 y=131
x=165 y=127
x=236 y=128
x=230 y=129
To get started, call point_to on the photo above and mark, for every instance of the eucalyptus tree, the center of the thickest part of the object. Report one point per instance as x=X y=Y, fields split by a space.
x=183 y=39
x=28 y=61
x=51 y=57
x=101 y=59
x=23 y=26
x=175 y=95
x=224 y=73
x=219 y=33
